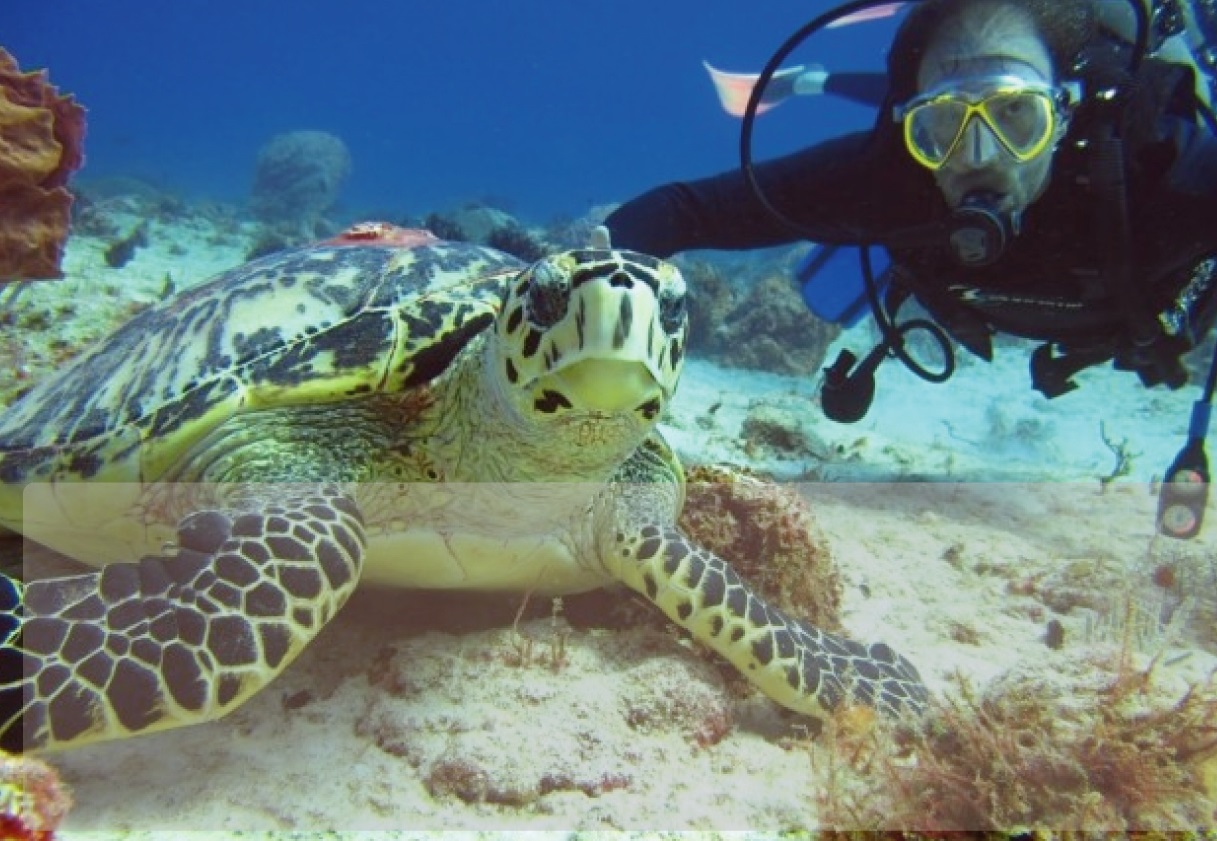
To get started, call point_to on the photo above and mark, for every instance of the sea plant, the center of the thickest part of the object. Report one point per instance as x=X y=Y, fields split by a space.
x=1090 y=742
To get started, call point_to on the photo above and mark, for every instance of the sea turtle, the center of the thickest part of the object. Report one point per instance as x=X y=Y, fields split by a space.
x=384 y=407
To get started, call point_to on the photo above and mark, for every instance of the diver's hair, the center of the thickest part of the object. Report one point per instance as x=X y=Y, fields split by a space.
x=1065 y=26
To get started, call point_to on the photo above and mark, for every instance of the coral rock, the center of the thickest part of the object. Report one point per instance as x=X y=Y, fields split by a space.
x=33 y=800
x=763 y=326
x=299 y=176
x=40 y=146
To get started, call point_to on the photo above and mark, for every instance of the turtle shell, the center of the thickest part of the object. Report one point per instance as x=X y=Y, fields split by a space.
x=312 y=325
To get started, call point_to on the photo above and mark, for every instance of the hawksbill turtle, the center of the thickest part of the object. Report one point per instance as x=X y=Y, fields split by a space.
x=383 y=407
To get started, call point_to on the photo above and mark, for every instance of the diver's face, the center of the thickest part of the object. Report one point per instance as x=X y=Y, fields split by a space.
x=1006 y=44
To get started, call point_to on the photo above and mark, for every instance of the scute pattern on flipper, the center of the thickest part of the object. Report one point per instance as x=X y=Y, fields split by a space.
x=796 y=664
x=145 y=645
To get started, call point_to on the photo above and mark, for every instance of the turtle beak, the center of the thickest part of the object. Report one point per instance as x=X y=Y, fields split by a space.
x=608 y=386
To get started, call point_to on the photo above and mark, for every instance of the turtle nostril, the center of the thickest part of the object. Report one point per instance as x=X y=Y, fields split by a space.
x=672 y=312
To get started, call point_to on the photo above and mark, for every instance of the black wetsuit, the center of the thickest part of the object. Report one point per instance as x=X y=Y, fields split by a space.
x=1051 y=283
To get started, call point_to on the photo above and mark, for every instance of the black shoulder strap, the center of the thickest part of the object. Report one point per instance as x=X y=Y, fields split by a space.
x=1138 y=101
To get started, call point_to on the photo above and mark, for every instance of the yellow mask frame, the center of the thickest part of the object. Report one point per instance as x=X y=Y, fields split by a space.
x=1023 y=116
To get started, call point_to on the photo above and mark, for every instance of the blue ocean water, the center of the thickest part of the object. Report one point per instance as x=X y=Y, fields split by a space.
x=545 y=108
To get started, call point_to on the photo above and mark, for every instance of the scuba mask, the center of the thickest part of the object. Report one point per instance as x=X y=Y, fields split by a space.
x=1022 y=116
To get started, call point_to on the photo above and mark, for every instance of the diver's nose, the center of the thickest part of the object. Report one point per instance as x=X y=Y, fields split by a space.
x=979 y=147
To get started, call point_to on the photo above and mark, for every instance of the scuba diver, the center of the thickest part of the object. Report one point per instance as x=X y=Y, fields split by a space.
x=1027 y=174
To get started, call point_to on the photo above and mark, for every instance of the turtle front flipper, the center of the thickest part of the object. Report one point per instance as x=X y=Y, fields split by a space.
x=798 y=666
x=183 y=637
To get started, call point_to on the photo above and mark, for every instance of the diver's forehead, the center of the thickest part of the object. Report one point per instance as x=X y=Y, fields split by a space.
x=1017 y=51
x=965 y=73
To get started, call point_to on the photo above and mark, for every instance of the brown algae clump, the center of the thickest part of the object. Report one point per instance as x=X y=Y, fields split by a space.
x=770 y=532
x=1072 y=743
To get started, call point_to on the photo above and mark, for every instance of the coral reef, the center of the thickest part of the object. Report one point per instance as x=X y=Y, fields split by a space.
x=445 y=227
x=710 y=305
x=268 y=240
x=100 y=204
x=773 y=330
x=777 y=429
x=517 y=241
x=770 y=535
x=41 y=136
x=487 y=226
x=275 y=236
x=298 y=177
x=120 y=252
x=90 y=219
x=766 y=326
x=479 y=221
x=33 y=801
x=567 y=232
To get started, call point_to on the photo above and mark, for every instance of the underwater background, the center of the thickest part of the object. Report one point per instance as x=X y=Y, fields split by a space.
x=1003 y=542
x=548 y=107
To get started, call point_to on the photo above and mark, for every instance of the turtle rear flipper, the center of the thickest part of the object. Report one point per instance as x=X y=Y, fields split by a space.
x=179 y=638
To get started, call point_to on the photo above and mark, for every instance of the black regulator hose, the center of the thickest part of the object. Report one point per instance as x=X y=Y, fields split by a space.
x=831 y=234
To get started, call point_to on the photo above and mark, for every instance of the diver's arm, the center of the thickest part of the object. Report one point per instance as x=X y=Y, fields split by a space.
x=864 y=88
x=684 y=215
x=816 y=186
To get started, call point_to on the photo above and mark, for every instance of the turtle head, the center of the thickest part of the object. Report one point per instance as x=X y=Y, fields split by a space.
x=598 y=331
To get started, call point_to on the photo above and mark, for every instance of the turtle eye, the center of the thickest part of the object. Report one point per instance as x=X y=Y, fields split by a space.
x=672 y=311
x=548 y=295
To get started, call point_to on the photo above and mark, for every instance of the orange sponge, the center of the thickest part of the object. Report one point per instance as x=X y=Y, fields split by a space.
x=41 y=136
